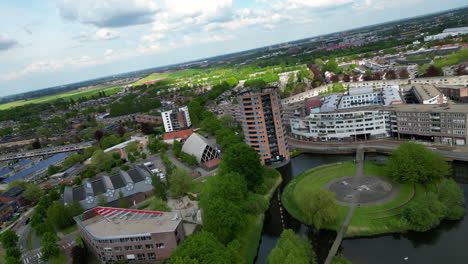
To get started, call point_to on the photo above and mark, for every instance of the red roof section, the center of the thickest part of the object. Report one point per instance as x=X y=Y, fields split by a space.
x=182 y=134
x=212 y=163
x=108 y=211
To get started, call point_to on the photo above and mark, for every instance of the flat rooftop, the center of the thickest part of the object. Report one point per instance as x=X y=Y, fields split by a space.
x=110 y=222
x=426 y=91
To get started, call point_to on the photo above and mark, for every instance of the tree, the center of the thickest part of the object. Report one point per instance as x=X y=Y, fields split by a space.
x=291 y=249
x=403 y=74
x=36 y=144
x=147 y=128
x=49 y=246
x=180 y=182
x=13 y=252
x=202 y=247
x=159 y=188
x=33 y=192
x=88 y=152
x=51 y=170
x=451 y=196
x=377 y=76
x=79 y=255
x=319 y=206
x=244 y=160
x=177 y=148
x=121 y=131
x=414 y=163
x=460 y=70
x=72 y=160
x=123 y=203
x=102 y=161
x=159 y=205
x=223 y=218
x=98 y=134
x=73 y=209
x=346 y=78
x=9 y=239
x=433 y=71
x=334 y=78
x=107 y=142
x=226 y=137
x=58 y=217
x=390 y=75
x=422 y=215
x=227 y=121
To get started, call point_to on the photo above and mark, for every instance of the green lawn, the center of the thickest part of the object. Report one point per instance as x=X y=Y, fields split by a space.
x=198 y=185
x=150 y=77
x=60 y=259
x=363 y=221
x=66 y=96
x=316 y=178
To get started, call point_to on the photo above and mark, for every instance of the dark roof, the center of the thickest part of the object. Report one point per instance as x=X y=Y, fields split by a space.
x=78 y=193
x=135 y=175
x=13 y=192
x=98 y=186
x=117 y=181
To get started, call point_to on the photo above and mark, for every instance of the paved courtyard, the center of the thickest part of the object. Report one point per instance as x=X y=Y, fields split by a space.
x=365 y=190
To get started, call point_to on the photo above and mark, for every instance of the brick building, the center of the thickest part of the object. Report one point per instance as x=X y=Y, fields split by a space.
x=263 y=124
x=138 y=236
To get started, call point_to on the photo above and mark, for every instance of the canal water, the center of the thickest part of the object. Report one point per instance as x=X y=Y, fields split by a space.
x=448 y=243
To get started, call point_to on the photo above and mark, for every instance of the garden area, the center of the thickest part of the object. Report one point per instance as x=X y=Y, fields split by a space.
x=422 y=195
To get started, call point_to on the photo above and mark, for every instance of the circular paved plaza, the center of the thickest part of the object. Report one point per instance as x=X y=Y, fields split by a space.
x=363 y=190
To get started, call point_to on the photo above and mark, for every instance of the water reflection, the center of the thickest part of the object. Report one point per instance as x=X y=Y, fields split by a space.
x=445 y=244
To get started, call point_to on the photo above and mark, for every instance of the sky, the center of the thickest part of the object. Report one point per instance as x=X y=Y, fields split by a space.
x=46 y=43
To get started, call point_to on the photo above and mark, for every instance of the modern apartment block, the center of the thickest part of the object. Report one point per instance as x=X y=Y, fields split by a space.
x=436 y=123
x=176 y=119
x=116 y=234
x=263 y=124
x=340 y=125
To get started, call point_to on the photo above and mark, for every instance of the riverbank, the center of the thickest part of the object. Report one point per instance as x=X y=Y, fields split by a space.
x=366 y=220
x=250 y=238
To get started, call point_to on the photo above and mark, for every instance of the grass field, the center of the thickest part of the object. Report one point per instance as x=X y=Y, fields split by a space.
x=366 y=221
x=316 y=178
x=66 y=96
x=60 y=259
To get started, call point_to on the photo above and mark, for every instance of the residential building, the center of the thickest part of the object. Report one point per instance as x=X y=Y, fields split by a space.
x=428 y=94
x=454 y=92
x=263 y=124
x=126 y=235
x=340 y=125
x=176 y=119
x=134 y=184
x=445 y=124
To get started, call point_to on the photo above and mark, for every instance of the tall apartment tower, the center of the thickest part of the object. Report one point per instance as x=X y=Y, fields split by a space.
x=176 y=119
x=263 y=124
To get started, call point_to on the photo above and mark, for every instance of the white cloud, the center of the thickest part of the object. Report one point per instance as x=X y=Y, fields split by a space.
x=71 y=62
x=109 y=13
x=106 y=34
x=298 y=4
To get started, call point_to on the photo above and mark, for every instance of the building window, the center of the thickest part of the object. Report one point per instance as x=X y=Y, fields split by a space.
x=138 y=247
x=120 y=257
x=128 y=247
x=117 y=249
x=151 y=256
x=149 y=246
x=160 y=245
x=141 y=256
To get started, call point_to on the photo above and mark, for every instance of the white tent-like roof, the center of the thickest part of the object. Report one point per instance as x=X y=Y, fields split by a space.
x=195 y=145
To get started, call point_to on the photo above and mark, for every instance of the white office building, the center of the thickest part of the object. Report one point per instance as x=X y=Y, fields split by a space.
x=176 y=119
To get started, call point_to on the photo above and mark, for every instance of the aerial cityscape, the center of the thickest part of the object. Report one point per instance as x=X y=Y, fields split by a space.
x=234 y=132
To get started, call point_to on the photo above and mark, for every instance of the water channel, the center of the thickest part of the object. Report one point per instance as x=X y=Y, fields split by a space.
x=448 y=243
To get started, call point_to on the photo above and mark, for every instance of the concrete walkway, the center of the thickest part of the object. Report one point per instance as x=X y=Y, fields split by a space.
x=354 y=204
